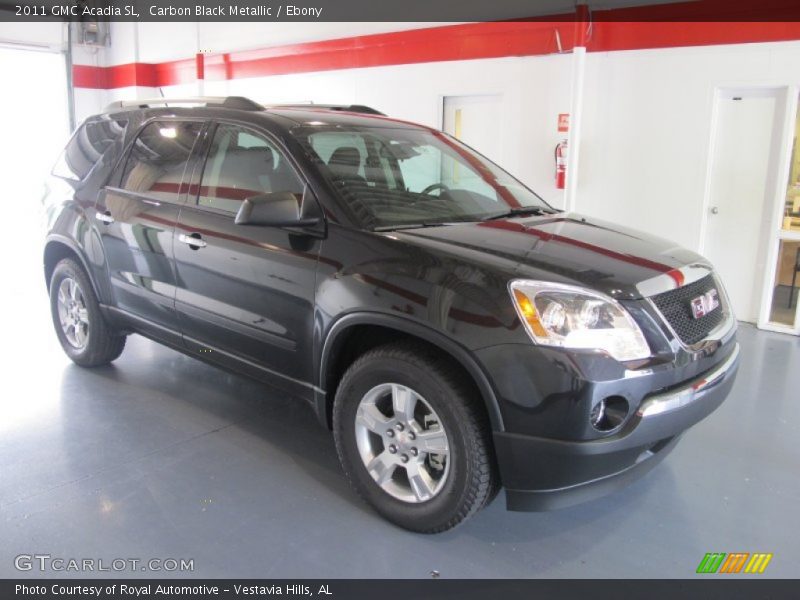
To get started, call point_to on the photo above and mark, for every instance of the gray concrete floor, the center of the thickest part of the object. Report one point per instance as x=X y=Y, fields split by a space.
x=161 y=456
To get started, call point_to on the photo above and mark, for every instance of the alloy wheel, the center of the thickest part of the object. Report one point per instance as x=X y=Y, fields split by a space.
x=402 y=443
x=72 y=313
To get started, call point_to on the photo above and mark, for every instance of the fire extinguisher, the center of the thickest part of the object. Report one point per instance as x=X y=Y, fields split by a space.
x=561 y=164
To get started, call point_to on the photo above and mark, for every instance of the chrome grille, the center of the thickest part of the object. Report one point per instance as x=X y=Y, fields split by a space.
x=675 y=306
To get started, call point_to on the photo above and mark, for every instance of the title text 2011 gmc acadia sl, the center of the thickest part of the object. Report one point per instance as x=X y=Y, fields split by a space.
x=455 y=331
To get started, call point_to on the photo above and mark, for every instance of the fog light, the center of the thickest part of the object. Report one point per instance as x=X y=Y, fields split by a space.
x=609 y=413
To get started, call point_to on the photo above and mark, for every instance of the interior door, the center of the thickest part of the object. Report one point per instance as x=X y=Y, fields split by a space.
x=473 y=120
x=137 y=219
x=737 y=226
x=245 y=295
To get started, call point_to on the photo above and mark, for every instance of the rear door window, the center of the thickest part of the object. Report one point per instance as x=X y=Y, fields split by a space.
x=158 y=158
x=87 y=147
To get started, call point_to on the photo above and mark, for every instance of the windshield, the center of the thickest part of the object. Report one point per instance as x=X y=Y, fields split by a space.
x=405 y=177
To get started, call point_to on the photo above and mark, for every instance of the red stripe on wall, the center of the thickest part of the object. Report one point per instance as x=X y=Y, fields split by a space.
x=454 y=42
x=135 y=74
x=608 y=36
x=118 y=76
x=610 y=32
x=705 y=11
x=85 y=76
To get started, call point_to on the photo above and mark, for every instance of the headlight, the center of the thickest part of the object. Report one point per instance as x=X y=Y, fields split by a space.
x=567 y=316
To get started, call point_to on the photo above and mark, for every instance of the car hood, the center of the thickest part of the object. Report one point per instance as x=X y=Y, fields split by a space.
x=566 y=248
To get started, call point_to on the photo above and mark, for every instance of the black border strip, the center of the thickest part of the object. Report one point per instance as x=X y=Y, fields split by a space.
x=398 y=11
x=710 y=587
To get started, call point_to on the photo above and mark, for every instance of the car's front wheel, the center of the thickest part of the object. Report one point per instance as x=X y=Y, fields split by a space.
x=84 y=334
x=413 y=438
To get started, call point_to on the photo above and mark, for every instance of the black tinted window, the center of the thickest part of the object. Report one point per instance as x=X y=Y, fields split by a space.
x=242 y=164
x=87 y=146
x=157 y=161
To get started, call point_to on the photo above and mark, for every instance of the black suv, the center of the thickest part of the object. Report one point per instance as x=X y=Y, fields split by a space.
x=455 y=331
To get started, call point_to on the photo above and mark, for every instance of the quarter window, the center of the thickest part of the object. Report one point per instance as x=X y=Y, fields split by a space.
x=157 y=161
x=87 y=147
x=242 y=164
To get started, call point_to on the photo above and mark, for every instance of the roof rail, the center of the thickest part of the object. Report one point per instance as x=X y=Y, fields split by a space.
x=355 y=108
x=236 y=102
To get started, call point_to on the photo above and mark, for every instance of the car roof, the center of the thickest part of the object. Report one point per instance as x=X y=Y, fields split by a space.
x=283 y=115
x=316 y=115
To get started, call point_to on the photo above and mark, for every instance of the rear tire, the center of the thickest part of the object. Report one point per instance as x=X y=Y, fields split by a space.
x=84 y=334
x=426 y=468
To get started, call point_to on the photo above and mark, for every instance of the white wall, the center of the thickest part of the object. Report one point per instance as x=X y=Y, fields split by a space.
x=647 y=129
x=534 y=90
x=414 y=92
x=88 y=102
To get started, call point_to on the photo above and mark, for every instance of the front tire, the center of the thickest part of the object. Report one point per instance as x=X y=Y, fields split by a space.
x=83 y=332
x=413 y=439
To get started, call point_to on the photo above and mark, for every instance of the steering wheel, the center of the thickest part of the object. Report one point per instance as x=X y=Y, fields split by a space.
x=432 y=188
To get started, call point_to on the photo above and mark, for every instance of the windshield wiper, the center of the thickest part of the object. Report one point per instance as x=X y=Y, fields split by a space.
x=410 y=226
x=520 y=211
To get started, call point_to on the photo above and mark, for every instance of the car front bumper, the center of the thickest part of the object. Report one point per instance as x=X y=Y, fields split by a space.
x=541 y=473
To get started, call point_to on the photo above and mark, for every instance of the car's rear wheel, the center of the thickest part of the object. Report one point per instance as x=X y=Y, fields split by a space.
x=84 y=334
x=413 y=438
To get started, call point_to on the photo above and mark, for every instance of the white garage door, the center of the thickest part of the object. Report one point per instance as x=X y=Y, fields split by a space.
x=35 y=127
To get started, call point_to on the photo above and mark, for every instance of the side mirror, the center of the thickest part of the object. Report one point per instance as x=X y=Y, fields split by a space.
x=276 y=209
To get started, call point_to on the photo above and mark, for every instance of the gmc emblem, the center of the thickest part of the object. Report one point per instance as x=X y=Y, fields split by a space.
x=702 y=305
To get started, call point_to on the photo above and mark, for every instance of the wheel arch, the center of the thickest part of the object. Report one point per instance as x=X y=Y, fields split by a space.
x=58 y=248
x=334 y=357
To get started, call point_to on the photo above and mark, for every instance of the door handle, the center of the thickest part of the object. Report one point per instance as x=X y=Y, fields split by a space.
x=105 y=217
x=193 y=240
x=714 y=210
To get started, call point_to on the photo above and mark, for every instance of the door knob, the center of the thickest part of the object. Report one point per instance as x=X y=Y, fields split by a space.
x=714 y=210
x=105 y=217
x=194 y=240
